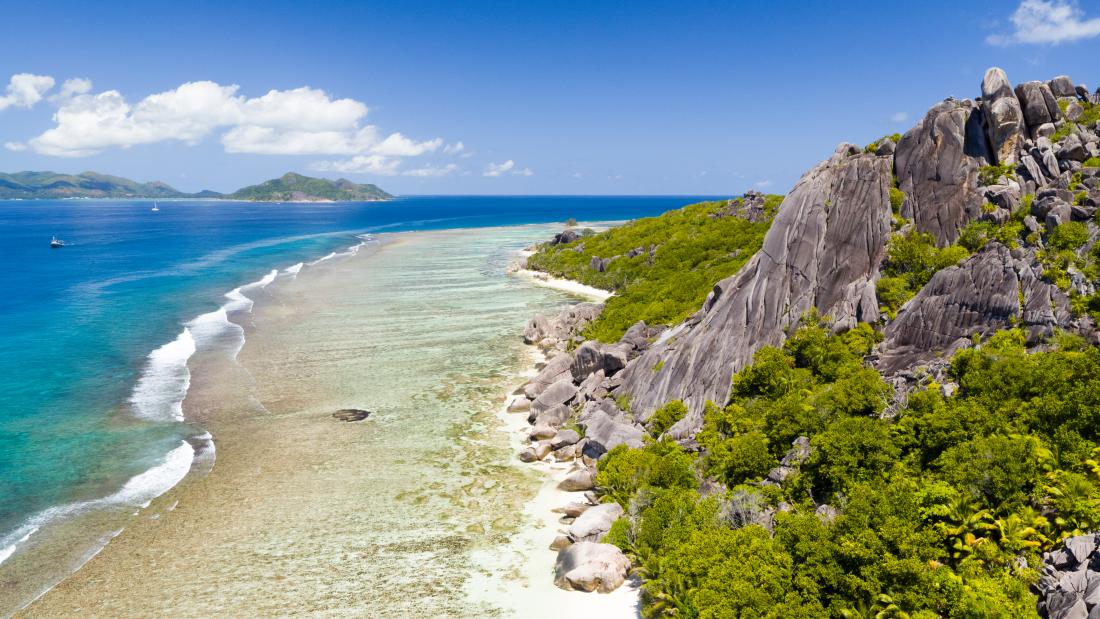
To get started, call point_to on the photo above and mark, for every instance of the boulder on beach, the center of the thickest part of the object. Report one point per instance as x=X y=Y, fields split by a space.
x=593 y=523
x=581 y=479
x=588 y=566
x=351 y=414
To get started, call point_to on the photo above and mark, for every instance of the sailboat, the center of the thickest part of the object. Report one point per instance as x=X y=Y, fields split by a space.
x=155 y=209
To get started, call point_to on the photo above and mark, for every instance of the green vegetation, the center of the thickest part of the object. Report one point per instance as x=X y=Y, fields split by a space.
x=873 y=146
x=990 y=174
x=911 y=260
x=1092 y=162
x=295 y=187
x=897 y=198
x=665 y=417
x=679 y=257
x=38 y=185
x=943 y=506
x=1089 y=116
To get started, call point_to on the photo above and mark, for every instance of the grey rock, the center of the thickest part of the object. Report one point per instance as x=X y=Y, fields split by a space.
x=581 y=479
x=599 y=264
x=528 y=455
x=594 y=356
x=792 y=460
x=885 y=148
x=555 y=370
x=823 y=250
x=1072 y=148
x=553 y=417
x=561 y=392
x=574 y=509
x=1003 y=118
x=604 y=433
x=560 y=542
x=937 y=167
x=542 y=449
x=538 y=327
x=1045 y=130
x=979 y=296
x=565 y=454
x=592 y=387
x=588 y=566
x=1038 y=103
x=541 y=432
x=520 y=405
x=1080 y=546
x=566 y=236
x=595 y=522
x=1074 y=111
x=351 y=414
x=1062 y=86
x=564 y=438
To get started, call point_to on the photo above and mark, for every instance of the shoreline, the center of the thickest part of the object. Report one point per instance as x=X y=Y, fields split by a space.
x=201 y=519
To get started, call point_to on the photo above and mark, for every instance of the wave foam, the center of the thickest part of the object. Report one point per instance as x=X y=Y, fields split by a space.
x=139 y=491
x=158 y=394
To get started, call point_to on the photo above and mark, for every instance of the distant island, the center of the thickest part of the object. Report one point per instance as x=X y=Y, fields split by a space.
x=290 y=187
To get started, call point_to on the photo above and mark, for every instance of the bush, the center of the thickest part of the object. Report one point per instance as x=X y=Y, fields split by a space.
x=990 y=174
x=624 y=471
x=666 y=416
x=915 y=257
x=897 y=198
x=1069 y=235
x=1092 y=162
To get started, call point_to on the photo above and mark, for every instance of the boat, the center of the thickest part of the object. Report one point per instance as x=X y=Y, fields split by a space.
x=155 y=209
x=55 y=243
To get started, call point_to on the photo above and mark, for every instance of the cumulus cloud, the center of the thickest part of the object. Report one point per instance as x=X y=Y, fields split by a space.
x=25 y=89
x=899 y=117
x=15 y=146
x=1047 y=22
x=508 y=167
x=301 y=121
x=432 y=171
x=72 y=87
x=454 y=149
x=360 y=164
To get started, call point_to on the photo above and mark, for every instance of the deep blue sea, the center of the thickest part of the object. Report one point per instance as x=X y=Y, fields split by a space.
x=93 y=345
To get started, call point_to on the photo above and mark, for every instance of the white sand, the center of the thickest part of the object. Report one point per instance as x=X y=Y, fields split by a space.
x=522 y=579
x=565 y=285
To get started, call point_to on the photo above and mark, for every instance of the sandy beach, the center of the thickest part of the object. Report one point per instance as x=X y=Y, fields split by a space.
x=422 y=509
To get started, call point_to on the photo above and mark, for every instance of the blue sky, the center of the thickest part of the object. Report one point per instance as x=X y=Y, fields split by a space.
x=543 y=97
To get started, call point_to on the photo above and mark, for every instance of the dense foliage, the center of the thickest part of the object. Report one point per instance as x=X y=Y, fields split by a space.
x=293 y=186
x=678 y=257
x=937 y=507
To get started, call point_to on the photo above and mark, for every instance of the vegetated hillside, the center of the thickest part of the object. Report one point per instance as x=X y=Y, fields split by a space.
x=892 y=409
x=661 y=268
x=40 y=185
x=299 y=188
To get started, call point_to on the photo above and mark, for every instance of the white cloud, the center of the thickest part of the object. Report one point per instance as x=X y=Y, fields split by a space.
x=360 y=164
x=71 y=88
x=508 y=167
x=25 y=89
x=454 y=149
x=577 y=175
x=899 y=117
x=499 y=169
x=1047 y=22
x=15 y=146
x=764 y=183
x=302 y=121
x=432 y=171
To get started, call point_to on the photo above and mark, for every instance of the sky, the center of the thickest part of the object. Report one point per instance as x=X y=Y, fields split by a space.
x=686 y=98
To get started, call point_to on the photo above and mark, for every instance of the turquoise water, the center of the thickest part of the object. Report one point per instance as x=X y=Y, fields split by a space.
x=95 y=337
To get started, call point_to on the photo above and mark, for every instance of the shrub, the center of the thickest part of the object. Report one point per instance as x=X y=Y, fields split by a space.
x=666 y=416
x=990 y=174
x=1069 y=235
x=1092 y=162
x=897 y=198
x=625 y=471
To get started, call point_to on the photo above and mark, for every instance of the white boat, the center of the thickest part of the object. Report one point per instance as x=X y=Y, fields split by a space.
x=155 y=209
x=55 y=243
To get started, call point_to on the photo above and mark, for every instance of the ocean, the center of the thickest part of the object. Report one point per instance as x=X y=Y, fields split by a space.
x=97 y=340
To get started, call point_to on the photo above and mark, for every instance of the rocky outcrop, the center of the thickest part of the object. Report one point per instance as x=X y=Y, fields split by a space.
x=823 y=251
x=588 y=566
x=989 y=291
x=1002 y=116
x=595 y=522
x=937 y=165
x=1069 y=581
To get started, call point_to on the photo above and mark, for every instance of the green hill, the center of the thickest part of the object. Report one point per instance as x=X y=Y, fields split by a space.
x=33 y=185
x=293 y=187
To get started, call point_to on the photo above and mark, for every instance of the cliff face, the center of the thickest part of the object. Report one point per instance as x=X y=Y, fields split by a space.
x=827 y=244
x=823 y=250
